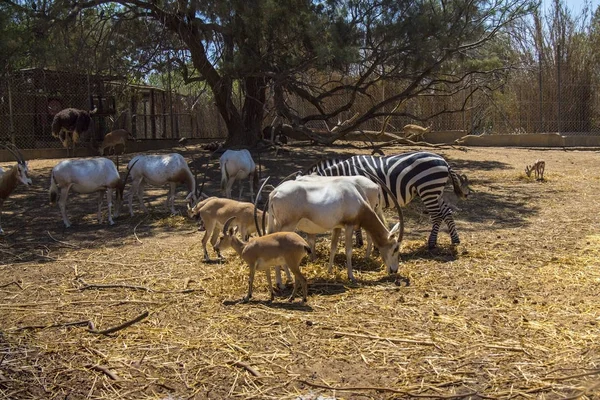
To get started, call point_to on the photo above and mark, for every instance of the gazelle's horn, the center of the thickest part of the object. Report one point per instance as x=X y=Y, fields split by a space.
x=393 y=197
x=226 y=226
x=255 y=207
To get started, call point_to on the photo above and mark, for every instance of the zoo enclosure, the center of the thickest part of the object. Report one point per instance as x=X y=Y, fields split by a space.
x=529 y=102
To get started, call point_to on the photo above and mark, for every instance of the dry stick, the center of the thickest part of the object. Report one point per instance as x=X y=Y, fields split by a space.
x=394 y=340
x=134 y=229
x=12 y=283
x=386 y=389
x=104 y=370
x=87 y=286
x=246 y=367
x=65 y=324
x=564 y=378
x=65 y=243
x=120 y=327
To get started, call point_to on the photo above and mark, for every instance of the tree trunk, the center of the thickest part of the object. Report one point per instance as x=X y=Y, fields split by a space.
x=248 y=132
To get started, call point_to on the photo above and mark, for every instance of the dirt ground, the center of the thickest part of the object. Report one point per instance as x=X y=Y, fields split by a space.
x=511 y=312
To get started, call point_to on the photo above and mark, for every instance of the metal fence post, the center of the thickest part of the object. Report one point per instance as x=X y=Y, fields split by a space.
x=11 y=116
x=558 y=89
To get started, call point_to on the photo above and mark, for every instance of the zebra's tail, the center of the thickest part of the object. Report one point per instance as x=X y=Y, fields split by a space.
x=460 y=184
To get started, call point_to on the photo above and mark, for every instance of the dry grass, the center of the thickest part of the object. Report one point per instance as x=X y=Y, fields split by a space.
x=512 y=312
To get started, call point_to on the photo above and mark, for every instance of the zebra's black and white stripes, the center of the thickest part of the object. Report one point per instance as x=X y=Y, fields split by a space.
x=319 y=167
x=409 y=175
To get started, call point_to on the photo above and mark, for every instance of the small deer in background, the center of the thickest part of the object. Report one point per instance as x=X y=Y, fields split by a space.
x=539 y=166
x=415 y=132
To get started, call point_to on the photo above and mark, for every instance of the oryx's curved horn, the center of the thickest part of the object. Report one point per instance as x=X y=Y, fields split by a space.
x=226 y=226
x=290 y=176
x=392 y=196
x=129 y=171
x=11 y=148
x=255 y=203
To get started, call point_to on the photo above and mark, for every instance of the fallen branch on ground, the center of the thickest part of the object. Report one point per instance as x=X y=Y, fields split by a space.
x=120 y=327
x=12 y=283
x=104 y=370
x=246 y=367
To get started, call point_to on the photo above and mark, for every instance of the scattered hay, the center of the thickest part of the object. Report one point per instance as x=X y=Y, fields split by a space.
x=512 y=312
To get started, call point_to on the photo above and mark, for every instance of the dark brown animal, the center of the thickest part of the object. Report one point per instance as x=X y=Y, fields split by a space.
x=69 y=124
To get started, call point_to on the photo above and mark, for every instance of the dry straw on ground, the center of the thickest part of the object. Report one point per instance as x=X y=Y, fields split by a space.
x=131 y=311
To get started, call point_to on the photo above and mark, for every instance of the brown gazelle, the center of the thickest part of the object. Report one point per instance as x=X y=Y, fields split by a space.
x=268 y=251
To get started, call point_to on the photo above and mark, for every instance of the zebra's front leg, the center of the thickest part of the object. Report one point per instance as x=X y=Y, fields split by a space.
x=359 y=238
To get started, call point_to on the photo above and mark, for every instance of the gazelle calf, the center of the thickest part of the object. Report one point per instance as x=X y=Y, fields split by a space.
x=114 y=138
x=159 y=170
x=268 y=251
x=10 y=178
x=235 y=166
x=538 y=166
x=87 y=175
x=214 y=212
x=412 y=131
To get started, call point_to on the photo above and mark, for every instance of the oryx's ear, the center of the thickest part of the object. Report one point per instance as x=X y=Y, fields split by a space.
x=188 y=207
x=394 y=230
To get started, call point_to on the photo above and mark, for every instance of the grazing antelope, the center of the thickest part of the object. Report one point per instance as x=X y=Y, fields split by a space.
x=214 y=212
x=69 y=124
x=373 y=195
x=114 y=138
x=159 y=170
x=415 y=132
x=87 y=175
x=538 y=166
x=262 y=253
x=316 y=206
x=237 y=165
x=10 y=178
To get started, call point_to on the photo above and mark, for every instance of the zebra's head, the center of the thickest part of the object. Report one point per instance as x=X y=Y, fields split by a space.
x=464 y=186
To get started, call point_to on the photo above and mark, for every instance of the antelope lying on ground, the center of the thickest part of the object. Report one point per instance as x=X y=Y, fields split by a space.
x=415 y=132
x=268 y=251
x=159 y=170
x=538 y=166
x=114 y=138
x=214 y=212
x=87 y=175
x=69 y=124
x=10 y=178
x=238 y=165
x=318 y=206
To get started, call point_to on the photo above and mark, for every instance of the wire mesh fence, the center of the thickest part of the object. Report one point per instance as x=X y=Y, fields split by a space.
x=30 y=98
x=529 y=102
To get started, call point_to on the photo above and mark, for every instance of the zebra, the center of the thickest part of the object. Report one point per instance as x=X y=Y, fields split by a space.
x=409 y=175
x=319 y=167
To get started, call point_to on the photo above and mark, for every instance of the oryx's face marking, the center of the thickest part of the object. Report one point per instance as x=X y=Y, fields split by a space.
x=23 y=174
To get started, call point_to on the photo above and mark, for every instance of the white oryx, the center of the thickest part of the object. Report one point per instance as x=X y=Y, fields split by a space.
x=235 y=166
x=10 y=178
x=317 y=206
x=373 y=196
x=87 y=175
x=159 y=170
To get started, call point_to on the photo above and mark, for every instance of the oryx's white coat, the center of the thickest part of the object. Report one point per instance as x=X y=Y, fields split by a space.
x=330 y=207
x=159 y=170
x=373 y=195
x=10 y=178
x=86 y=175
x=237 y=165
